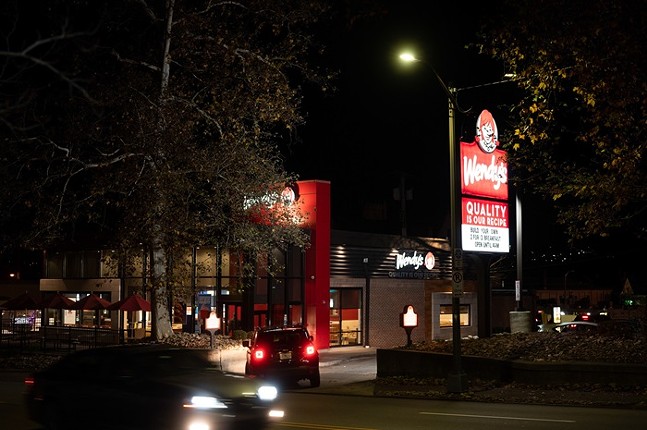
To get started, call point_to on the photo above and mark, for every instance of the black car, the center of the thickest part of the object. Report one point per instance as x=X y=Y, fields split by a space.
x=575 y=326
x=150 y=386
x=284 y=354
x=570 y=327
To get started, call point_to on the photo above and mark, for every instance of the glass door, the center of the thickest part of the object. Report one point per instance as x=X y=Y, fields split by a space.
x=345 y=317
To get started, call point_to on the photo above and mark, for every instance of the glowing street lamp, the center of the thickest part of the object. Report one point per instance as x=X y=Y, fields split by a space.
x=457 y=380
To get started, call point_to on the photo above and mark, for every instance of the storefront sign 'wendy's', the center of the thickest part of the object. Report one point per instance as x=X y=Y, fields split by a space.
x=484 y=171
x=414 y=264
x=484 y=175
x=264 y=209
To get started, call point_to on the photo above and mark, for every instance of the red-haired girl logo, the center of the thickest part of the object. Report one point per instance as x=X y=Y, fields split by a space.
x=430 y=261
x=487 y=135
x=288 y=195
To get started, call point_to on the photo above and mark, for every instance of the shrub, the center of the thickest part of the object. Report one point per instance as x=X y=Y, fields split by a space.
x=239 y=335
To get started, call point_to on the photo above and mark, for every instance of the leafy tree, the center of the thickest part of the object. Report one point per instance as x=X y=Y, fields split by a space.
x=580 y=136
x=151 y=123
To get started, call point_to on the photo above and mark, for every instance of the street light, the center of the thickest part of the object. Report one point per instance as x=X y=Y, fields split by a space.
x=457 y=379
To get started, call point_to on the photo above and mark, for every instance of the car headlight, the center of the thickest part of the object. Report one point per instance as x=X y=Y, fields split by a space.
x=205 y=402
x=267 y=392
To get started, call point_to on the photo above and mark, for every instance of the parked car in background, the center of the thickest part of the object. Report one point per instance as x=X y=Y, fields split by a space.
x=283 y=354
x=149 y=386
x=592 y=315
x=569 y=327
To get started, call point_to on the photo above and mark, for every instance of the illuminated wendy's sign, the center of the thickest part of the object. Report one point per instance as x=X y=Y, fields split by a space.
x=413 y=264
x=413 y=260
x=286 y=197
x=484 y=173
x=484 y=226
x=261 y=208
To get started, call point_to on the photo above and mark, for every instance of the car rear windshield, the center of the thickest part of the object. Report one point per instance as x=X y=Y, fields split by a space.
x=283 y=338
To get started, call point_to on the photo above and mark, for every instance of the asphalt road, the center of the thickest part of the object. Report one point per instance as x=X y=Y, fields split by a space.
x=342 y=412
x=331 y=407
x=339 y=367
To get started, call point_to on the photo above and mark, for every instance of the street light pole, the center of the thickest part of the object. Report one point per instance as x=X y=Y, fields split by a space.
x=457 y=379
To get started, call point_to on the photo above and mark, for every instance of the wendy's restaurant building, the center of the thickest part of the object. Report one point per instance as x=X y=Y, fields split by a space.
x=347 y=288
x=376 y=279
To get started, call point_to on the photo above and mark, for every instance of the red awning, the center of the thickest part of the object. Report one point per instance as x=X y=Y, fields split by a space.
x=23 y=302
x=91 y=302
x=134 y=302
x=57 y=301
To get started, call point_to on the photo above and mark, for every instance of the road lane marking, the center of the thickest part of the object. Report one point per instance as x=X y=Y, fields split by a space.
x=320 y=426
x=496 y=417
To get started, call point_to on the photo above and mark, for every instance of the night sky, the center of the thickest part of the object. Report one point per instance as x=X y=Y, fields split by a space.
x=390 y=121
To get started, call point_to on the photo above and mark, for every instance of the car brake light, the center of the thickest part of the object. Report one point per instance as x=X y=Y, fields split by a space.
x=259 y=354
x=29 y=380
x=310 y=350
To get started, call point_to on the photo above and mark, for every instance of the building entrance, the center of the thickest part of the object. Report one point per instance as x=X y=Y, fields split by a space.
x=345 y=317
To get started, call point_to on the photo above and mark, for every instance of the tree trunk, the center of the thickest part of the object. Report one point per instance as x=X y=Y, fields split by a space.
x=161 y=318
x=161 y=324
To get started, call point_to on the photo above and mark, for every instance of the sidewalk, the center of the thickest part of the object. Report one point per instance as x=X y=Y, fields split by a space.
x=332 y=356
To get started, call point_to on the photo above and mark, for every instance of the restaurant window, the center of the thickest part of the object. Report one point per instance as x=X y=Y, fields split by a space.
x=231 y=289
x=206 y=262
x=73 y=265
x=92 y=264
x=109 y=265
x=54 y=267
x=446 y=314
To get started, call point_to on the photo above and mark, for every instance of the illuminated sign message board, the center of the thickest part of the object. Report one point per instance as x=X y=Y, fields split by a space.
x=484 y=190
x=485 y=225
